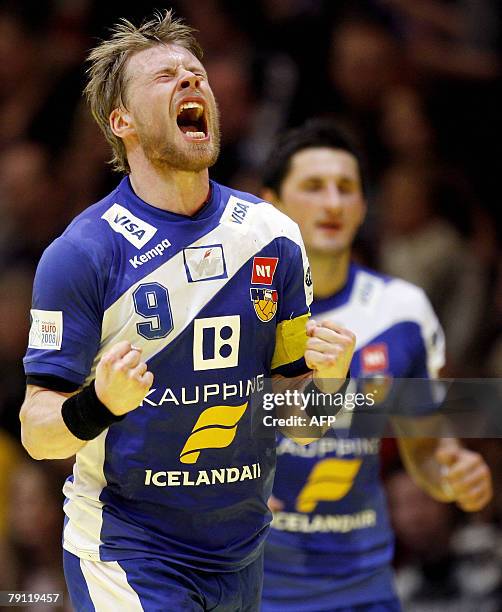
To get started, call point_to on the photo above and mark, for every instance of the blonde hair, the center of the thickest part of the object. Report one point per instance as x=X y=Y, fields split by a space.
x=106 y=87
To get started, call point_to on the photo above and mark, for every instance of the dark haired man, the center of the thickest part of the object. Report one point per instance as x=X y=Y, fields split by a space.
x=330 y=546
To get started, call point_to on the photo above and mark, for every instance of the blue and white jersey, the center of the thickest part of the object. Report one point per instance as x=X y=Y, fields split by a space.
x=334 y=521
x=217 y=302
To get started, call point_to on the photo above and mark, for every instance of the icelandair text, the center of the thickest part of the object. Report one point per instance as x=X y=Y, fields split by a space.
x=178 y=478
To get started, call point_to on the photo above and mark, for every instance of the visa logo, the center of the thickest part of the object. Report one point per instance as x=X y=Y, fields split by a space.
x=236 y=214
x=135 y=230
x=239 y=212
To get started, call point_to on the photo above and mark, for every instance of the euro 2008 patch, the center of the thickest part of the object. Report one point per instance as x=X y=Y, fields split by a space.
x=46 y=331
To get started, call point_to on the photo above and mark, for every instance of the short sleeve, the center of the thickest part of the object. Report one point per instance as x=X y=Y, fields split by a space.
x=288 y=359
x=429 y=354
x=418 y=395
x=66 y=314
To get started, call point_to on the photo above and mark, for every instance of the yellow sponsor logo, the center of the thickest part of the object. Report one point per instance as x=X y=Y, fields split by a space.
x=329 y=480
x=215 y=428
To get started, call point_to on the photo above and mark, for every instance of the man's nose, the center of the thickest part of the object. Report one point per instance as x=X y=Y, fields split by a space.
x=189 y=80
x=333 y=200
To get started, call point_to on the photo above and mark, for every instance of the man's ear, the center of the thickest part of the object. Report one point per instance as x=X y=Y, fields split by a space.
x=269 y=195
x=121 y=122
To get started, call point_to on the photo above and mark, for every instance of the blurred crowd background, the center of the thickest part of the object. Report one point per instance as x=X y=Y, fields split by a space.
x=418 y=83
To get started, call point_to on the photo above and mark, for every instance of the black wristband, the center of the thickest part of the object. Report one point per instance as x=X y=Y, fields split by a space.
x=85 y=416
x=318 y=408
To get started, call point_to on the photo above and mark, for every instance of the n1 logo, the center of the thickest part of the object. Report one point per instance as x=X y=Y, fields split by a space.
x=216 y=342
x=151 y=301
x=263 y=270
x=375 y=358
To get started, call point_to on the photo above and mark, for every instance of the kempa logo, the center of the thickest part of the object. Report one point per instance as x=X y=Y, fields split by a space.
x=158 y=249
x=134 y=230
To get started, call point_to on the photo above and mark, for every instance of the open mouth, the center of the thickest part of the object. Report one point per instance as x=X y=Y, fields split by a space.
x=192 y=121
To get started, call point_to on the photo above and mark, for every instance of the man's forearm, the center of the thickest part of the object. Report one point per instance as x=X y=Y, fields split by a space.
x=419 y=458
x=302 y=433
x=309 y=411
x=43 y=432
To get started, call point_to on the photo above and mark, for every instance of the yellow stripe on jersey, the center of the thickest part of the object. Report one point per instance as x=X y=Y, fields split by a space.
x=215 y=428
x=329 y=480
x=290 y=341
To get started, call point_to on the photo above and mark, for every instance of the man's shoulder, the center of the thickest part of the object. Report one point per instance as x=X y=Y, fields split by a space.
x=394 y=290
x=388 y=298
x=91 y=220
x=406 y=295
x=248 y=211
x=86 y=238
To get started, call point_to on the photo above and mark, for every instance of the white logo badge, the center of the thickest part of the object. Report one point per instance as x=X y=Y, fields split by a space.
x=307 y=285
x=46 y=331
x=136 y=231
x=236 y=214
x=216 y=342
x=204 y=263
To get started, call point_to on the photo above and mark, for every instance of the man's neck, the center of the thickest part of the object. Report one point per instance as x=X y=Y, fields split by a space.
x=173 y=190
x=329 y=272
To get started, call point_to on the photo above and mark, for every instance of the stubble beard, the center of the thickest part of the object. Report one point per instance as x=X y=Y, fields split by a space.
x=190 y=157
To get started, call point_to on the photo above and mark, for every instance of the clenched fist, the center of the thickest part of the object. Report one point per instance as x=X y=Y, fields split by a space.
x=122 y=380
x=328 y=353
x=466 y=478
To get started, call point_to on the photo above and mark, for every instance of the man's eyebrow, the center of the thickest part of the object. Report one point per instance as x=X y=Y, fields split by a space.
x=165 y=68
x=172 y=68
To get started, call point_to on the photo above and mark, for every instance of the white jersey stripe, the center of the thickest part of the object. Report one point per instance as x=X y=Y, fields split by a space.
x=84 y=508
x=108 y=587
x=396 y=301
x=188 y=299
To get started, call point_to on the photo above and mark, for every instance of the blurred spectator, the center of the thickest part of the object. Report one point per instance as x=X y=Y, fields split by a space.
x=406 y=130
x=35 y=524
x=10 y=455
x=15 y=300
x=365 y=61
x=364 y=64
x=37 y=94
x=30 y=203
x=230 y=80
x=216 y=31
x=455 y=48
x=442 y=565
x=83 y=172
x=494 y=331
x=421 y=246
x=23 y=82
x=458 y=38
